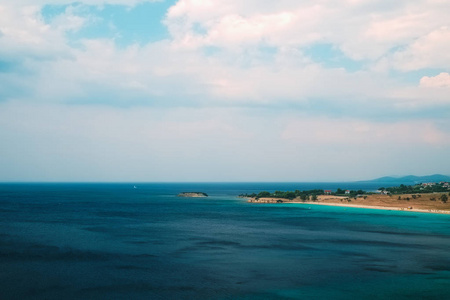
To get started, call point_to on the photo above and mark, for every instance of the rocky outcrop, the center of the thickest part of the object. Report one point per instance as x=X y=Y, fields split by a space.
x=267 y=200
x=193 y=194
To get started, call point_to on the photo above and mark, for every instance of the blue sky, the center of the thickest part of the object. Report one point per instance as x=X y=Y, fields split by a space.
x=140 y=24
x=192 y=90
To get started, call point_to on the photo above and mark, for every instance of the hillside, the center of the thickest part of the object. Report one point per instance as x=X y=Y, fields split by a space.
x=411 y=179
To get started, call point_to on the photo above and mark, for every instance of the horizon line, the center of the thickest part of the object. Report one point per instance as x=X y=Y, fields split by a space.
x=194 y=182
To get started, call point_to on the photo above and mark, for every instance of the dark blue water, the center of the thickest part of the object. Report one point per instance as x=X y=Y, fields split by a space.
x=111 y=241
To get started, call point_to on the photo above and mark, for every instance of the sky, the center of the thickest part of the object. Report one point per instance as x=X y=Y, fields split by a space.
x=224 y=90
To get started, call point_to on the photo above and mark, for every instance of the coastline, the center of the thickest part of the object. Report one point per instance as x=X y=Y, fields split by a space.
x=390 y=208
x=423 y=204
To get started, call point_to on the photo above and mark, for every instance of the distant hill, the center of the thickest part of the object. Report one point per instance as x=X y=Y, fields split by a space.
x=411 y=179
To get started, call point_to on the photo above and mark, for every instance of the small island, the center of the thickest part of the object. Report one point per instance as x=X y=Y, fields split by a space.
x=192 y=194
x=425 y=197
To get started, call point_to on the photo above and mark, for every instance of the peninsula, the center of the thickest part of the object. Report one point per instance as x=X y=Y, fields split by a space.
x=427 y=197
x=192 y=194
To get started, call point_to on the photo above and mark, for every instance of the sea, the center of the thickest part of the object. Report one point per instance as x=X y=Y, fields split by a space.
x=141 y=241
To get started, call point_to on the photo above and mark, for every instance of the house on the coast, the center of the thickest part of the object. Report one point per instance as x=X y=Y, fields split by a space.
x=347 y=192
x=327 y=192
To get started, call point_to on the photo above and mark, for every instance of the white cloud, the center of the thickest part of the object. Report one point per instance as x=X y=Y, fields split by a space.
x=439 y=81
x=363 y=133
x=362 y=29
x=239 y=72
x=429 y=51
x=184 y=108
x=26 y=37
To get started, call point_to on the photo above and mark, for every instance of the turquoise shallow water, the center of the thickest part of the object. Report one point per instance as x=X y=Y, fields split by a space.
x=111 y=241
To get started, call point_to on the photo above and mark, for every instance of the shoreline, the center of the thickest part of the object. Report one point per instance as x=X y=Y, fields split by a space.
x=390 y=208
x=372 y=202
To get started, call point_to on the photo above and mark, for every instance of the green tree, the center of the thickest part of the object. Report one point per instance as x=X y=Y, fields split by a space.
x=444 y=198
x=279 y=194
x=263 y=194
x=289 y=195
x=314 y=197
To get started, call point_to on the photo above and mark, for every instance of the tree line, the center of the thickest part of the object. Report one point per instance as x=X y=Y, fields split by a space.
x=303 y=195
x=416 y=189
x=312 y=194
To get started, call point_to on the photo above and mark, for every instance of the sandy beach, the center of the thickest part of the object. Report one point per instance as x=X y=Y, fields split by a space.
x=435 y=211
x=426 y=203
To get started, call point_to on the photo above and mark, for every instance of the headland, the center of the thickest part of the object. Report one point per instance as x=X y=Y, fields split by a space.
x=429 y=198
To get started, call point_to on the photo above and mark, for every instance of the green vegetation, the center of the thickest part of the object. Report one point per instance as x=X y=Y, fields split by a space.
x=340 y=191
x=417 y=189
x=351 y=194
x=303 y=195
